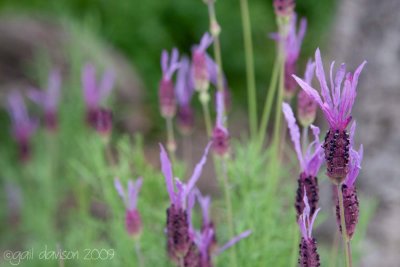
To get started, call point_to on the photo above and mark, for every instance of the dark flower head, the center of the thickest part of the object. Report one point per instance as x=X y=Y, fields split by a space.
x=97 y=117
x=200 y=70
x=220 y=137
x=49 y=99
x=179 y=229
x=306 y=106
x=184 y=90
x=350 y=198
x=309 y=256
x=166 y=93
x=133 y=222
x=23 y=126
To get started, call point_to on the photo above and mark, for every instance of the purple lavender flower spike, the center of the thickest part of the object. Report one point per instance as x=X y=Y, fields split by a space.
x=310 y=163
x=49 y=100
x=184 y=90
x=166 y=93
x=200 y=71
x=336 y=103
x=133 y=221
x=349 y=190
x=179 y=236
x=221 y=142
x=309 y=256
x=306 y=106
x=97 y=117
x=284 y=8
x=23 y=126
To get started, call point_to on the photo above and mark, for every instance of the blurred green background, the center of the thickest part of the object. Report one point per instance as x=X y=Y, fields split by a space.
x=141 y=29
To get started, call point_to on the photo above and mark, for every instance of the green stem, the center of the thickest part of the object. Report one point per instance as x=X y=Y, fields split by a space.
x=268 y=102
x=278 y=111
x=224 y=178
x=305 y=138
x=346 y=240
x=334 y=250
x=207 y=117
x=250 y=75
x=138 y=252
x=171 y=145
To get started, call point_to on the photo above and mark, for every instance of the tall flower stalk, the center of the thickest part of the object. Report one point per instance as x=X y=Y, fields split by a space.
x=250 y=75
x=336 y=103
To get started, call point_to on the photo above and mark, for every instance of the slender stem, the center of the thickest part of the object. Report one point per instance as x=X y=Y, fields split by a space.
x=334 y=250
x=250 y=75
x=171 y=145
x=139 y=255
x=181 y=262
x=207 y=117
x=224 y=178
x=268 y=101
x=278 y=112
x=346 y=241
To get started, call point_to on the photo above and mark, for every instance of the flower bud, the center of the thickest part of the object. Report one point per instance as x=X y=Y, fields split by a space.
x=133 y=223
x=310 y=184
x=351 y=210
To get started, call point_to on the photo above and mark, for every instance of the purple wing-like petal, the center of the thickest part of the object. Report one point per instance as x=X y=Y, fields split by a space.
x=166 y=169
x=106 y=84
x=233 y=241
x=197 y=170
x=204 y=202
x=120 y=189
x=355 y=166
x=91 y=94
x=320 y=73
x=183 y=88
x=309 y=73
x=134 y=190
x=311 y=224
x=37 y=96
x=294 y=132
x=205 y=42
x=53 y=90
x=220 y=109
x=164 y=62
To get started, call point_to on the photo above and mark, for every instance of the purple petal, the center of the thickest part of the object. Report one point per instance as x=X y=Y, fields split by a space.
x=197 y=170
x=190 y=205
x=164 y=62
x=133 y=191
x=204 y=202
x=106 y=84
x=16 y=108
x=309 y=73
x=37 y=96
x=180 y=197
x=183 y=89
x=53 y=90
x=220 y=109
x=233 y=241
x=321 y=78
x=119 y=188
x=91 y=94
x=357 y=75
x=310 y=226
x=205 y=42
x=338 y=82
x=294 y=132
x=166 y=169
x=355 y=166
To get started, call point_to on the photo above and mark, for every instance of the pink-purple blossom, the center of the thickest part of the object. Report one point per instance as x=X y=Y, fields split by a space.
x=200 y=70
x=284 y=8
x=49 y=99
x=133 y=222
x=306 y=106
x=220 y=135
x=166 y=93
x=23 y=126
x=97 y=117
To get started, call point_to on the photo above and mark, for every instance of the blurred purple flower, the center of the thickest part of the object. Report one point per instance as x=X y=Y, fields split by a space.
x=166 y=91
x=284 y=8
x=306 y=106
x=23 y=126
x=200 y=70
x=133 y=222
x=184 y=91
x=290 y=42
x=220 y=136
x=97 y=117
x=310 y=162
x=179 y=234
x=309 y=256
x=49 y=100
x=337 y=104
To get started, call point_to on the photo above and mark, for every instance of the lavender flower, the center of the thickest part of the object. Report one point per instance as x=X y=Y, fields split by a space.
x=200 y=71
x=97 y=117
x=284 y=8
x=49 y=100
x=184 y=91
x=179 y=235
x=220 y=134
x=310 y=162
x=166 y=91
x=206 y=239
x=309 y=256
x=337 y=104
x=306 y=106
x=23 y=126
x=213 y=71
x=350 y=199
x=133 y=222
x=291 y=41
